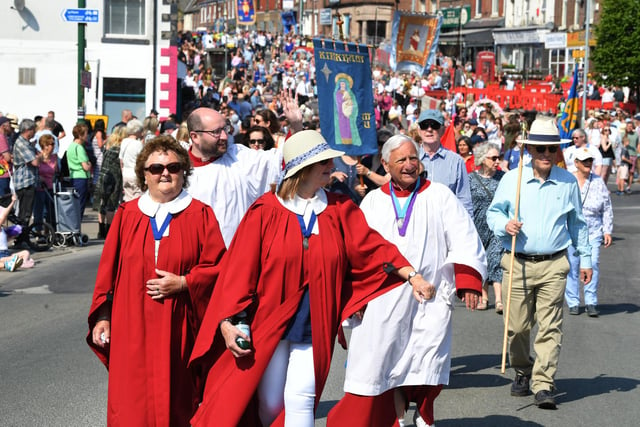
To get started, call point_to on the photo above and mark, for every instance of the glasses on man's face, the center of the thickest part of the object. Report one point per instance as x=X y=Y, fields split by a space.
x=216 y=132
x=256 y=142
x=540 y=149
x=158 y=168
x=576 y=137
x=426 y=124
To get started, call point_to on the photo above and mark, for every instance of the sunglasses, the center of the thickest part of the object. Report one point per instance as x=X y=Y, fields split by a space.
x=158 y=168
x=256 y=141
x=493 y=158
x=540 y=149
x=426 y=124
x=586 y=160
x=324 y=162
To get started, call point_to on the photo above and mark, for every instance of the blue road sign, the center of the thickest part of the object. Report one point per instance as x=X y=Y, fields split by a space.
x=80 y=15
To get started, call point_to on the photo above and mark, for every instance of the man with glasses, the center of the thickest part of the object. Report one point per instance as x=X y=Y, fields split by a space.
x=442 y=165
x=579 y=138
x=550 y=220
x=227 y=177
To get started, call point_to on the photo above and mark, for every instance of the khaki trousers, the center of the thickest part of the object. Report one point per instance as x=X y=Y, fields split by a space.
x=537 y=294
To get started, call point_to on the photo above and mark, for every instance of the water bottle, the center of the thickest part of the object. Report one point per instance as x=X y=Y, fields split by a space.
x=242 y=323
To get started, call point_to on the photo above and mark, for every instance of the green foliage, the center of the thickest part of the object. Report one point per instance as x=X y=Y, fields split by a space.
x=617 y=53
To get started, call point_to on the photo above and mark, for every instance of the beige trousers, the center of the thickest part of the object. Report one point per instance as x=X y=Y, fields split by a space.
x=537 y=295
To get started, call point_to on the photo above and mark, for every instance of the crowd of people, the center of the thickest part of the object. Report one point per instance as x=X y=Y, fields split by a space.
x=280 y=231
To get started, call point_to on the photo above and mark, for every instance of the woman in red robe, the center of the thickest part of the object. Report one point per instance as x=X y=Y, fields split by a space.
x=155 y=277
x=300 y=262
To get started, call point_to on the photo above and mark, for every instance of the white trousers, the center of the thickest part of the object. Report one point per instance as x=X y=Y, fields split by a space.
x=289 y=382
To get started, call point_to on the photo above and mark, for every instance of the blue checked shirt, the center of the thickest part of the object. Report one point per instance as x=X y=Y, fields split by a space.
x=447 y=167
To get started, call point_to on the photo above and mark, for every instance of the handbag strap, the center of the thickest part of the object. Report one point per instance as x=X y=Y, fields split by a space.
x=477 y=178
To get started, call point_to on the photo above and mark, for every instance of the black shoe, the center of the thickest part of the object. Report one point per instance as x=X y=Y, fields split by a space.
x=544 y=400
x=592 y=311
x=574 y=311
x=520 y=386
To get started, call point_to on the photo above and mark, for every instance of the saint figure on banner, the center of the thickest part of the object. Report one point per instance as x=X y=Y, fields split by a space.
x=414 y=41
x=346 y=129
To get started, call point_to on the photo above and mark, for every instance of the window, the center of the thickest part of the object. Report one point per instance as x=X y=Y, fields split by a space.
x=495 y=8
x=125 y=17
x=478 y=7
x=27 y=76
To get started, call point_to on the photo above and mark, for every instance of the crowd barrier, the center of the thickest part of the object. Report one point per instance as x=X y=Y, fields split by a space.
x=535 y=96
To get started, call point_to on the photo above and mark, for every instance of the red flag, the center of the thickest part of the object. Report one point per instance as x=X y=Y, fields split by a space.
x=448 y=139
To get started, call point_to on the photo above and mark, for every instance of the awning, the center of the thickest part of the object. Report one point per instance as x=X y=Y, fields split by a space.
x=470 y=37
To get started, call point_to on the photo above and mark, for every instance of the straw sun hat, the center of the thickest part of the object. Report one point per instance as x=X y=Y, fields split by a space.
x=542 y=132
x=306 y=148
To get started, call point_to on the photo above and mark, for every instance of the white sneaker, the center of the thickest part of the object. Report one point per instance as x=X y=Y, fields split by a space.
x=13 y=264
x=419 y=422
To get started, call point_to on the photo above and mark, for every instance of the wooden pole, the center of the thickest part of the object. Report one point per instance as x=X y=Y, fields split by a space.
x=512 y=261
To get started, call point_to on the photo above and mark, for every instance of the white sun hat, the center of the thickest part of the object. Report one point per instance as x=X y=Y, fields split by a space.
x=304 y=149
x=542 y=132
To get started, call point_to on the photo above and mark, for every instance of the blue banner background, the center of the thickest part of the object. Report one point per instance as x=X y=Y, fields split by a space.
x=345 y=96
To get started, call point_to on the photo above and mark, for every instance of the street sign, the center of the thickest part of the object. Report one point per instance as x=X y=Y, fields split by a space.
x=454 y=16
x=80 y=16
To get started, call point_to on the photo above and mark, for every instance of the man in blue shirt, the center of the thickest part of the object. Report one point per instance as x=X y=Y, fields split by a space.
x=442 y=165
x=549 y=220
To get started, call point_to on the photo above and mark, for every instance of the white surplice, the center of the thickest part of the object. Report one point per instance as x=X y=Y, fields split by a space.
x=233 y=182
x=399 y=341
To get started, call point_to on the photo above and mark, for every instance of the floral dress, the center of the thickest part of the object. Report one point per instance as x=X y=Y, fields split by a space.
x=482 y=192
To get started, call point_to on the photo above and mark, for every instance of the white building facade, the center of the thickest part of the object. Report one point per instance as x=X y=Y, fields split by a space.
x=128 y=54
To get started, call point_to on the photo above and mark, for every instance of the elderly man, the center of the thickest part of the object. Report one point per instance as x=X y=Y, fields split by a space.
x=579 y=137
x=442 y=165
x=26 y=162
x=401 y=350
x=550 y=220
x=227 y=177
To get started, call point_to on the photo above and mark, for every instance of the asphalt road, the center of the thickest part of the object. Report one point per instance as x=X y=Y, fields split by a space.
x=49 y=377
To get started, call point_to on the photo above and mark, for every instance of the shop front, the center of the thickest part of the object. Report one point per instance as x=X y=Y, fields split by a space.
x=521 y=52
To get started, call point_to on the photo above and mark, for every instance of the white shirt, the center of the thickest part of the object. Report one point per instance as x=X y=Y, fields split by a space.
x=233 y=182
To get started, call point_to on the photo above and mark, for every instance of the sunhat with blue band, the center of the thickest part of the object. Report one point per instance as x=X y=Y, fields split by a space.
x=304 y=149
x=542 y=132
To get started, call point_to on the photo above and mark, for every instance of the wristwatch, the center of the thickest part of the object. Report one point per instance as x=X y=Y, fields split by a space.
x=411 y=276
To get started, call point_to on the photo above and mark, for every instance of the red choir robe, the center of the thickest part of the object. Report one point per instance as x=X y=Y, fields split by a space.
x=266 y=273
x=151 y=340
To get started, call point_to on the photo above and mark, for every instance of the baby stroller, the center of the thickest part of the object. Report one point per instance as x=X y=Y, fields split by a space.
x=66 y=204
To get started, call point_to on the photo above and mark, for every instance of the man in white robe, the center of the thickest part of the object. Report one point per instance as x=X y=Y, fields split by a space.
x=401 y=351
x=227 y=177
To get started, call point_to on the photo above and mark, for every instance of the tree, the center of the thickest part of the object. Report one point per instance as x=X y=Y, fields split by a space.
x=616 y=57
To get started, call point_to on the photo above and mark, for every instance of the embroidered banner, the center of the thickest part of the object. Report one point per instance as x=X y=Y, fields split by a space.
x=246 y=14
x=345 y=96
x=414 y=41
x=569 y=117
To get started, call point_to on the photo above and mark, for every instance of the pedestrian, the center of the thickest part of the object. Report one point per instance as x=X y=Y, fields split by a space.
x=550 y=220
x=301 y=262
x=401 y=351
x=597 y=210
x=156 y=274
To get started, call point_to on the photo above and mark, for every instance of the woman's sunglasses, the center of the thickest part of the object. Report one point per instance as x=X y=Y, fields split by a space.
x=158 y=168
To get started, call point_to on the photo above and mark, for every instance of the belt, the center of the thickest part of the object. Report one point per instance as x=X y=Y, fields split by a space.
x=537 y=258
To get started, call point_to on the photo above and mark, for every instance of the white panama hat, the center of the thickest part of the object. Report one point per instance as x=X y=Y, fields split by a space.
x=304 y=149
x=542 y=132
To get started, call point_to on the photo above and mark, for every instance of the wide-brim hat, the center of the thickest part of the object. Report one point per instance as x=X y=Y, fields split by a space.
x=542 y=132
x=304 y=149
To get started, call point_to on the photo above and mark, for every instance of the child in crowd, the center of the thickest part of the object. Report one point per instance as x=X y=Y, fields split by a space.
x=8 y=261
x=622 y=174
